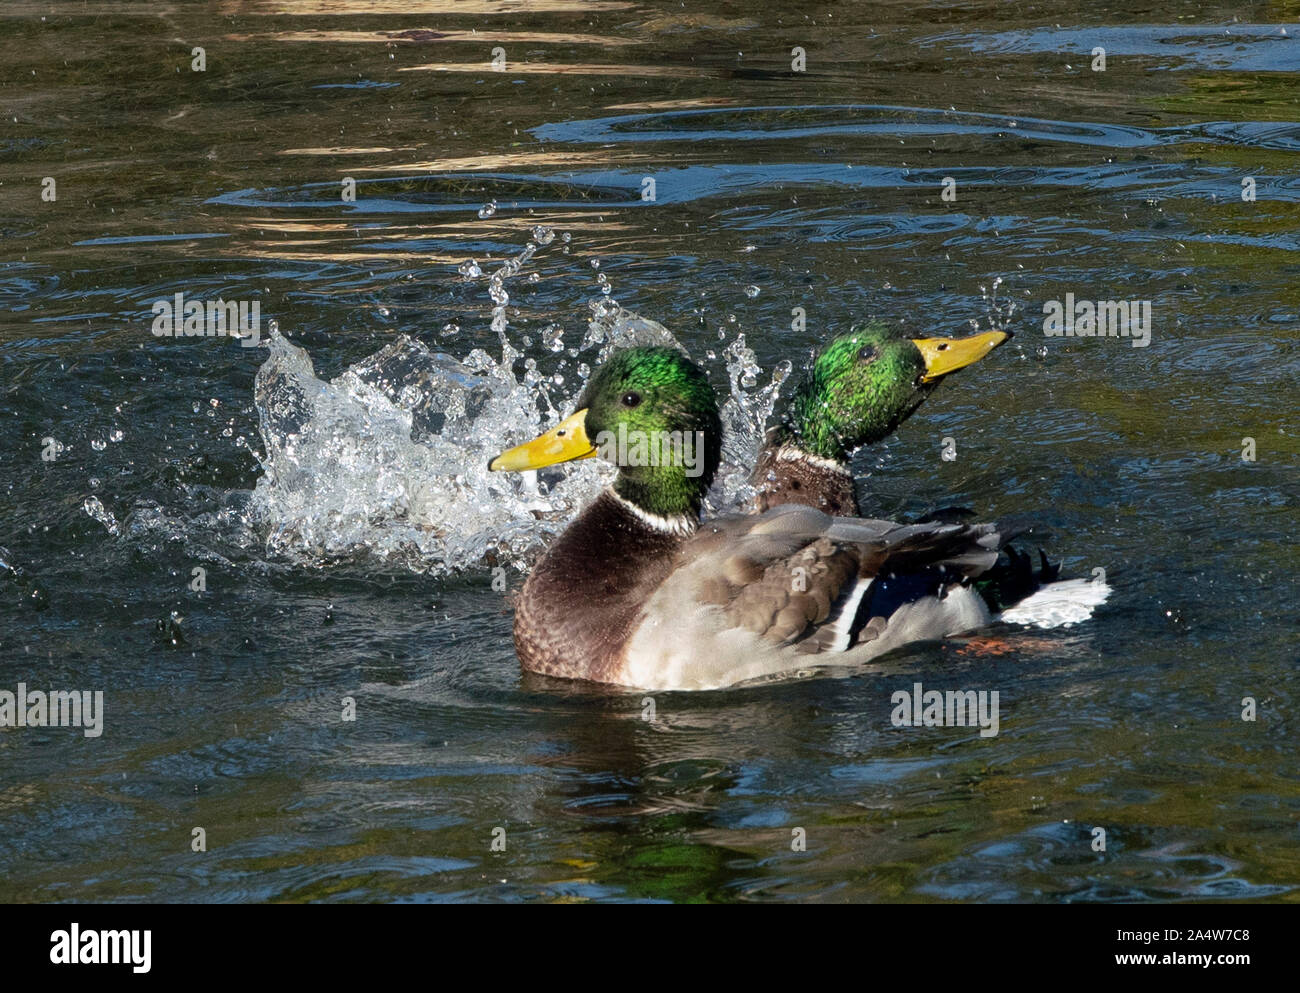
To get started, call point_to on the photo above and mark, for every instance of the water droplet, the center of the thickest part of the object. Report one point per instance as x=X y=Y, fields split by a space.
x=752 y=291
x=488 y=209
x=1176 y=618
x=169 y=631
x=470 y=269
x=98 y=445
x=544 y=235
x=116 y=435
x=450 y=329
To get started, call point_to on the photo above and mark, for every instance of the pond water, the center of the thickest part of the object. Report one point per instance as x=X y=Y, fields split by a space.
x=359 y=171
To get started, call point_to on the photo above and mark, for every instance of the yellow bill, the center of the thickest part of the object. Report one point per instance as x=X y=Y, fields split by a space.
x=945 y=355
x=565 y=442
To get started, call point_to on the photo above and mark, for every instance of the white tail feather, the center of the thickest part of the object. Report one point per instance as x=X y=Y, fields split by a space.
x=1058 y=604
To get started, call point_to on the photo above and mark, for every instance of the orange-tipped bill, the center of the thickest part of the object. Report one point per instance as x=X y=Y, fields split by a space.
x=565 y=442
x=945 y=355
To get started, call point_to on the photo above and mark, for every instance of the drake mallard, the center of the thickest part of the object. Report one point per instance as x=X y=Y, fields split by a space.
x=857 y=391
x=637 y=592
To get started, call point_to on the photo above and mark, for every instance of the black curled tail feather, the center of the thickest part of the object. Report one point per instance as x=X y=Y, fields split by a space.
x=1014 y=578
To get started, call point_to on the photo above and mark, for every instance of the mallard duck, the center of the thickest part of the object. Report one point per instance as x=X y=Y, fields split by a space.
x=637 y=592
x=858 y=390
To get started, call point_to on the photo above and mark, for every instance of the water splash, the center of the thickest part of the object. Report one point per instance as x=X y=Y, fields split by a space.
x=997 y=314
x=388 y=461
x=96 y=510
x=745 y=414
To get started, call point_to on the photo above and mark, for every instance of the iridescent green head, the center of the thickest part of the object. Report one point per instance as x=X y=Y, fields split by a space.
x=650 y=411
x=864 y=384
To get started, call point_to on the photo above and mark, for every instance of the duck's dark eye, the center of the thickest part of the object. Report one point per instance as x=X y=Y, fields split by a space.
x=867 y=353
x=631 y=398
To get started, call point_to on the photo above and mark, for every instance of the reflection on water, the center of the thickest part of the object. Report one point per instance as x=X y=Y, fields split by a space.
x=366 y=175
x=1236 y=47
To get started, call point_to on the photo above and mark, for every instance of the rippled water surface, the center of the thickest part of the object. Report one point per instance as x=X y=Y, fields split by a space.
x=661 y=160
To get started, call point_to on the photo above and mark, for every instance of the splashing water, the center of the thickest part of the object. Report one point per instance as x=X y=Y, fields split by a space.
x=388 y=462
x=96 y=510
x=744 y=423
x=997 y=315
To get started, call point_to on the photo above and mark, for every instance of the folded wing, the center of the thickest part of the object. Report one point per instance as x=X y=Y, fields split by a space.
x=797 y=577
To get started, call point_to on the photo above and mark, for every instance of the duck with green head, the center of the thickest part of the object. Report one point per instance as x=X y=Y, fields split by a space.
x=636 y=592
x=857 y=392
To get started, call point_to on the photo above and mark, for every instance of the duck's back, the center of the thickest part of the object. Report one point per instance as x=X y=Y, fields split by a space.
x=795 y=589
